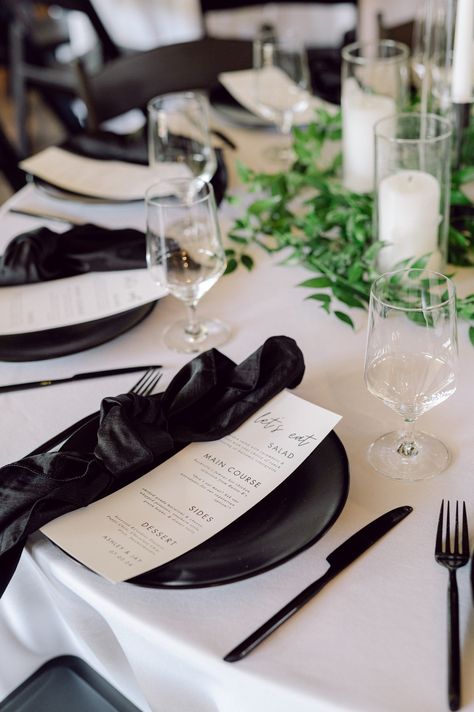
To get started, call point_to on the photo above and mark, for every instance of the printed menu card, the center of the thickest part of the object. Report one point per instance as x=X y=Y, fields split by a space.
x=194 y=494
x=27 y=308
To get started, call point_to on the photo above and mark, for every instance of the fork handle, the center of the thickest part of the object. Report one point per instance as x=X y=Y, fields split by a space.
x=454 y=666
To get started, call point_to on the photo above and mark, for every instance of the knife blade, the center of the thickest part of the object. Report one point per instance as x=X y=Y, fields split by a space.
x=77 y=377
x=339 y=559
x=56 y=217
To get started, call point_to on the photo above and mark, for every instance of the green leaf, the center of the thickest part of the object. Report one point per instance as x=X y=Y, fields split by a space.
x=465 y=174
x=345 y=318
x=471 y=334
x=247 y=261
x=316 y=283
x=231 y=265
x=347 y=297
x=263 y=205
x=237 y=238
x=320 y=297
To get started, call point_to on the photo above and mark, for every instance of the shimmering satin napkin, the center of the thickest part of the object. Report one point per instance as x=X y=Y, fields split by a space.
x=207 y=399
x=42 y=254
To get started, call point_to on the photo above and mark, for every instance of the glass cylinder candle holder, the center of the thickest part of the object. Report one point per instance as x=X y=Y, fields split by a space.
x=412 y=174
x=374 y=85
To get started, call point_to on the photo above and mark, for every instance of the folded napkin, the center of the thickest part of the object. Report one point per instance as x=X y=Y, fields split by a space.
x=207 y=399
x=42 y=254
x=134 y=149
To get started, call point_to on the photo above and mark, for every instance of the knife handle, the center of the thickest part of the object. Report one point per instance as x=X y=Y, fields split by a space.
x=278 y=618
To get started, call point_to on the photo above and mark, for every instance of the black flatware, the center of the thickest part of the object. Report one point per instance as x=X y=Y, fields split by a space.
x=144 y=387
x=452 y=552
x=77 y=377
x=339 y=559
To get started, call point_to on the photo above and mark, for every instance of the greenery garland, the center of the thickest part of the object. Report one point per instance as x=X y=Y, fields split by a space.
x=329 y=229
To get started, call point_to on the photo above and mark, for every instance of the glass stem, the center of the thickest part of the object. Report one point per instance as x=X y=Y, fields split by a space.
x=193 y=328
x=408 y=446
x=286 y=123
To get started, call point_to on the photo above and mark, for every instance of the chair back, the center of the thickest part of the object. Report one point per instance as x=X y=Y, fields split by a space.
x=131 y=81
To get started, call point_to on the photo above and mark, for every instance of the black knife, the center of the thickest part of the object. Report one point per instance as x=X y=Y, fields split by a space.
x=77 y=377
x=341 y=557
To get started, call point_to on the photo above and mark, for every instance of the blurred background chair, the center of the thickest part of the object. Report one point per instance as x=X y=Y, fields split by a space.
x=9 y=163
x=41 y=53
x=130 y=82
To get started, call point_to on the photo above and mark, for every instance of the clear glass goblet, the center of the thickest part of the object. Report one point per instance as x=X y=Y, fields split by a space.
x=411 y=365
x=281 y=87
x=178 y=135
x=186 y=256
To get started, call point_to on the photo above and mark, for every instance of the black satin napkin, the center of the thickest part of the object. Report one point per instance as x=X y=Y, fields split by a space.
x=207 y=399
x=41 y=255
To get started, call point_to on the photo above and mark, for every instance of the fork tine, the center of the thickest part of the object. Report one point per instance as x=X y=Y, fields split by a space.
x=135 y=388
x=448 y=531
x=465 y=531
x=142 y=385
x=439 y=531
x=152 y=378
x=456 y=530
x=152 y=385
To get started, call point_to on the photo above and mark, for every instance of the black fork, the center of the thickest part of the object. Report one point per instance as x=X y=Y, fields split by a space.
x=143 y=387
x=453 y=552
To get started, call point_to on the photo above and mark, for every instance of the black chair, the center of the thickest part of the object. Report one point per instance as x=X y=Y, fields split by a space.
x=33 y=39
x=130 y=82
x=9 y=163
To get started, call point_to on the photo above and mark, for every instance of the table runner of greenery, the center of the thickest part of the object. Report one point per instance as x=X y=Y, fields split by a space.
x=328 y=229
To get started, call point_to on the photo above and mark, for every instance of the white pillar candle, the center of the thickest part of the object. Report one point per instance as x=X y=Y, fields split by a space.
x=360 y=112
x=408 y=217
x=461 y=82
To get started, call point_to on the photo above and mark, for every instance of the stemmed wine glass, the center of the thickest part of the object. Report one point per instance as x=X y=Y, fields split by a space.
x=281 y=86
x=411 y=365
x=178 y=135
x=186 y=256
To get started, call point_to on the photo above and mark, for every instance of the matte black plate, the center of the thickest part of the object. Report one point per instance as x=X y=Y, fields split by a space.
x=291 y=518
x=66 y=683
x=51 y=343
x=59 y=193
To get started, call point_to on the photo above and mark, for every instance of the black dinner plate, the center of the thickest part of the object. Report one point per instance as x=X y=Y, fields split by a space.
x=59 y=193
x=64 y=340
x=287 y=521
x=110 y=147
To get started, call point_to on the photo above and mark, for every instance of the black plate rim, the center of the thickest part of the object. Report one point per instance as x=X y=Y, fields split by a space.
x=55 y=191
x=262 y=569
x=340 y=499
x=125 y=321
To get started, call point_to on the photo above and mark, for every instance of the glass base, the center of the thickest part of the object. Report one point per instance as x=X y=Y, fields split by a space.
x=428 y=456
x=212 y=333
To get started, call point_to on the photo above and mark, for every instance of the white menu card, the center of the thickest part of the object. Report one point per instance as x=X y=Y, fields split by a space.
x=27 y=308
x=194 y=494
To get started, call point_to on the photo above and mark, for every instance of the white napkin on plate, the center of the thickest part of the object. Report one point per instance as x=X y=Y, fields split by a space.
x=109 y=180
x=241 y=85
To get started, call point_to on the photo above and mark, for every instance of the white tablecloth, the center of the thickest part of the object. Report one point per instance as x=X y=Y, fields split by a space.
x=374 y=640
